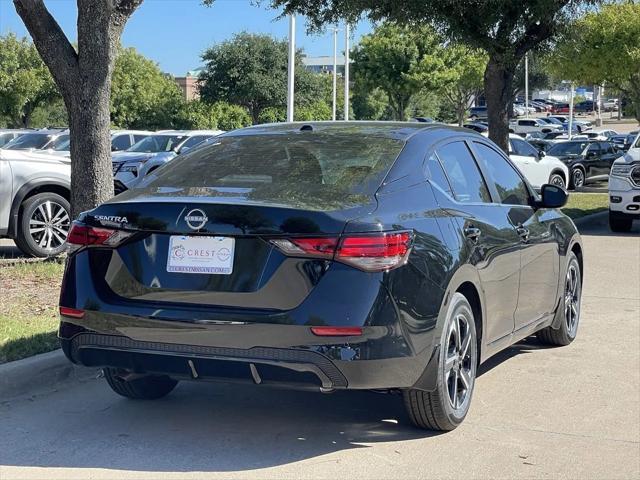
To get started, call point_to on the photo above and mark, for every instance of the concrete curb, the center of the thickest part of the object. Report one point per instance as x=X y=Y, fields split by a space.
x=40 y=374
x=590 y=219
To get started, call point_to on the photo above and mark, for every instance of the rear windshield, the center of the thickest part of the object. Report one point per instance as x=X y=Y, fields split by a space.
x=568 y=148
x=28 y=140
x=305 y=170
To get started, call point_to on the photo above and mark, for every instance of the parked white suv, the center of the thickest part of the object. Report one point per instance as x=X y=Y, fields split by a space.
x=534 y=165
x=624 y=189
x=530 y=125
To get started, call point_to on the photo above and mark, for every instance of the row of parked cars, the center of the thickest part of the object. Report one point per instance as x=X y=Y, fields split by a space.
x=35 y=171
x=35 y=177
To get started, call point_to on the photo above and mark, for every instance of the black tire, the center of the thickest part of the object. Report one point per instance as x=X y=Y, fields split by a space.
x=568 y=330
x=619 y=223
x=435 y=410
x=149 y=387
x=558 y=180
x=29 y=243
x=578 y=178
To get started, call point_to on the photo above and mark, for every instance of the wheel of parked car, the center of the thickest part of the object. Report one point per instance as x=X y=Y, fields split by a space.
x=558 y=180
x=446 y=407
x=149 y=387
x=577 y=178
x=568 y=329
x=44 y=225
x=619 y=224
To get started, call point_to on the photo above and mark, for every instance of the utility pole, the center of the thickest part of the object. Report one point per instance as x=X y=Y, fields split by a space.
x=291 y=67
x=571 y=113
x=526 y=84
x=335 y=73
x=346 y=72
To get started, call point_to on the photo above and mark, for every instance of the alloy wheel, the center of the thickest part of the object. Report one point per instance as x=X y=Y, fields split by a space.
x=557 y=180
x=49 y=225
x=572 y=300
x=578 y=178
x=460 y=361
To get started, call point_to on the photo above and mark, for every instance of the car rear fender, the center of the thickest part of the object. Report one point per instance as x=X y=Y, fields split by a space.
x=465 y=279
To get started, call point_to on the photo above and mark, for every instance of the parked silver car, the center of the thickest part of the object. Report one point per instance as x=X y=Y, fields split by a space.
x=34 y=201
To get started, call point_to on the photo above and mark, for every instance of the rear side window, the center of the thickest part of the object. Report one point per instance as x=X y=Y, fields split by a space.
x=303 y=169
x=121 y=142
x=193 y=141
x=520 y=147
x=463 y=173
x=437 y=175
x=510 y=186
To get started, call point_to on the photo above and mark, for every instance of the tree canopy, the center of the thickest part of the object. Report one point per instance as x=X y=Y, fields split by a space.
x=396 y=59
x=141 y=95
x=251 y=70
x=603 y=47
x=25 y=81
x=505 y=29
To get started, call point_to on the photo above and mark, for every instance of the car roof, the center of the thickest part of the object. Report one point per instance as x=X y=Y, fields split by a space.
x=395 y=130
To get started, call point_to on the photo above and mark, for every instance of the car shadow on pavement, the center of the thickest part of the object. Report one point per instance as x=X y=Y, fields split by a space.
x=205 y=427
x=524 y=346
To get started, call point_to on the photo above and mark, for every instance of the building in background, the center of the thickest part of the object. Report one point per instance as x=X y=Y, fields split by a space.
x=323 y=64
x=189 y=84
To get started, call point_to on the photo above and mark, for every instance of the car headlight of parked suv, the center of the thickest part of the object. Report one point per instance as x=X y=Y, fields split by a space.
x=130 y=167
x=621 y=170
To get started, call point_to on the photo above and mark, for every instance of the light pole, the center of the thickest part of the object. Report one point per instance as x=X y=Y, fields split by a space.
x=346 y=72
x=571 y=112
x=526 y=84
x=291 y=67
x=335 y=73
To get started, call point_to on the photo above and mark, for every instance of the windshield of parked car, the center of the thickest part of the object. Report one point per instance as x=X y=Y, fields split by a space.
x=157 y=143
x=27 y=141
x=305 y=170
x=61 y=144
x=568 y=148
x=552 y=120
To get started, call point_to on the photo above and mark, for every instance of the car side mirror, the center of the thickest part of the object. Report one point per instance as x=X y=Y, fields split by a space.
x=183 y=150
x=552 y=196
x=542 y=153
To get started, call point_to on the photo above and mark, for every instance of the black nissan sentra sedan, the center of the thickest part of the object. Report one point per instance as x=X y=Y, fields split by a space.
x=326 y=256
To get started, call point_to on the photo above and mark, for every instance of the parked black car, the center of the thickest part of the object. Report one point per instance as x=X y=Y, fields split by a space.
x=330 y=256
x=587 y=160
x=478 y=113
x=479 y=127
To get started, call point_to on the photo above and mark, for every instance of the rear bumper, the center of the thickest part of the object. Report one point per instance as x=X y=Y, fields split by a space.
x=318 y=367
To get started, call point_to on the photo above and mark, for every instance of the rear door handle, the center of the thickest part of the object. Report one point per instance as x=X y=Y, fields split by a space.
x=523 y=232
x=472 y=233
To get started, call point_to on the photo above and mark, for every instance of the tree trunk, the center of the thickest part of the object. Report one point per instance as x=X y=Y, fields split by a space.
x=498 y=81
x=83 y=77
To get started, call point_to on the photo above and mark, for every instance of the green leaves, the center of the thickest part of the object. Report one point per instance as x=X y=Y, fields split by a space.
x=405 y=61
x=25 y=82
x=141 y=95
x=603 y=47
x=251 y=70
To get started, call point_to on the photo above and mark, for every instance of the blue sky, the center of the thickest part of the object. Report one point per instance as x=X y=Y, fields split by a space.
x=175 y=32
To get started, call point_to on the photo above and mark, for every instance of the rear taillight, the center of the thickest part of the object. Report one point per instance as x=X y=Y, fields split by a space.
x=71 y=312
x=369 y=252
x=82 y=235
x=375 y=253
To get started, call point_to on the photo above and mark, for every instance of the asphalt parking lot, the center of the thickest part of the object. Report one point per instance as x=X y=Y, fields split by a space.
x=571 y=412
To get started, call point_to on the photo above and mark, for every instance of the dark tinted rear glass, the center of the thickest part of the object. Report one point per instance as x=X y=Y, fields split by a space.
x=302 y=169
x=28 y=140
